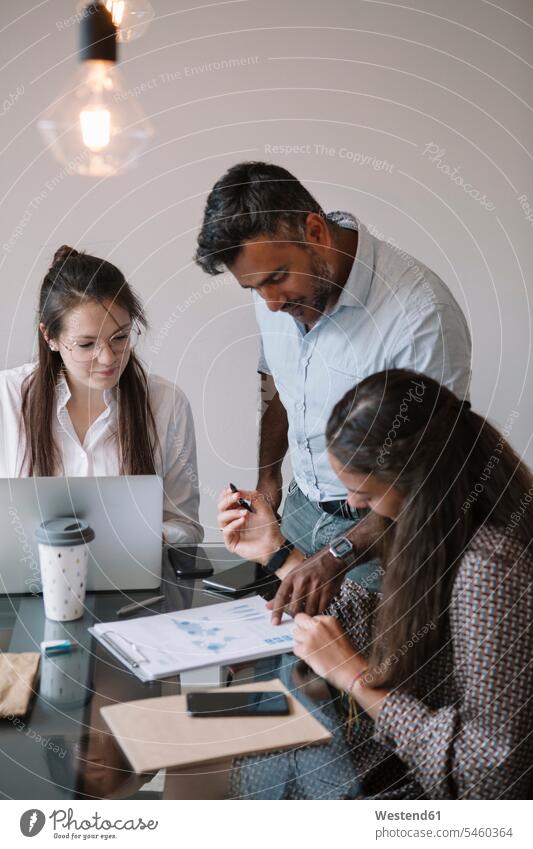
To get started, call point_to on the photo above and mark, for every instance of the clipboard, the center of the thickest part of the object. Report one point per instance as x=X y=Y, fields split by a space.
x=164 y=645
x=124 y=654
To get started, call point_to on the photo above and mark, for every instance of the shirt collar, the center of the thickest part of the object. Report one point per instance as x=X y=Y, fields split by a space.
x=355 y=290
x=63 y=394
x=62 y=391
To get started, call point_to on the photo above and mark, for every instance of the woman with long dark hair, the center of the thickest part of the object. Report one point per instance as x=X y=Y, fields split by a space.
x=87 y=406
x=435 y=668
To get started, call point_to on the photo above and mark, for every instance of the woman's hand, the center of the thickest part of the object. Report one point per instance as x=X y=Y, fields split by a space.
x=324 y=646
x=254 y=536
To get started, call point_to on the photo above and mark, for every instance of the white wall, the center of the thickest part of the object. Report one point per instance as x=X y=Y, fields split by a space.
x=376 y=79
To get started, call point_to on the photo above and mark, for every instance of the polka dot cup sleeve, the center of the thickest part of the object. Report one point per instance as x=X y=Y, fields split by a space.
x=64 y=557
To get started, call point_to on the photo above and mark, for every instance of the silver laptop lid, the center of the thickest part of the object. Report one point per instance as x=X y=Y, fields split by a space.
x=126 y=514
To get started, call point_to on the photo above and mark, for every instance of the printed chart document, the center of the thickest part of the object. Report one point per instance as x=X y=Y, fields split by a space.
x=215 y=635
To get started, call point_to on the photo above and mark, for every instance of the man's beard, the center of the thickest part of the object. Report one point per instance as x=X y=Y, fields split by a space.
x=322 y=283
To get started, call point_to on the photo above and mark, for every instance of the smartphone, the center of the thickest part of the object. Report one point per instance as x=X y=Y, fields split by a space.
x=227 y=703
x=189 y=564
x=244 y=578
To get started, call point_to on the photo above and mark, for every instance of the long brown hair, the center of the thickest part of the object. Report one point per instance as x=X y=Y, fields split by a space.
x=76 y=278
x=456 y=473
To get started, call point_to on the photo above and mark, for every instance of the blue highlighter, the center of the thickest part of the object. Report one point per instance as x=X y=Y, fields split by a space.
x=52 y=647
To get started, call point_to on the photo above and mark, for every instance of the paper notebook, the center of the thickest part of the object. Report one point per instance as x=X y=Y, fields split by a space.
x=158 y=646
x=159 y=734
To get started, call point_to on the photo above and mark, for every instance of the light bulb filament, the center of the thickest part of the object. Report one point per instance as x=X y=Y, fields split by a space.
x=95 y=128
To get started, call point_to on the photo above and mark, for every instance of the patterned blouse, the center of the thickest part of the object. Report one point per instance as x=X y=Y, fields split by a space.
x=465 y=732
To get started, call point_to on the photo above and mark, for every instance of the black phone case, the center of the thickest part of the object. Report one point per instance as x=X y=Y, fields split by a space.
x=264 y=585
x=234 y=712
x=188 y=568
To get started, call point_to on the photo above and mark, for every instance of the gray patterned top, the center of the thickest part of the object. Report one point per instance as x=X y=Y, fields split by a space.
x=464 y=732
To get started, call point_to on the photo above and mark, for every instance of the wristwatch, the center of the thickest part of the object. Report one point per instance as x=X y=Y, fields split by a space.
x=278 y=558
x=342 y=549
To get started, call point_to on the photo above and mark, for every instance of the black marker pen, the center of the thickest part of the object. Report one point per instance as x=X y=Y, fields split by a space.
x=242 y=502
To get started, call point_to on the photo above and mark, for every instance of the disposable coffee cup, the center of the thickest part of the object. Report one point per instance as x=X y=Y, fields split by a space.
x=63 y=556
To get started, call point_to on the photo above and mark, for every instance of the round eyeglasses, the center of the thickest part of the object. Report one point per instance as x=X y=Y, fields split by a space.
x=86 y=351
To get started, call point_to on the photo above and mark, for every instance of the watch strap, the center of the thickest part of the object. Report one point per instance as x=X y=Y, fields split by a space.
x=279 y=557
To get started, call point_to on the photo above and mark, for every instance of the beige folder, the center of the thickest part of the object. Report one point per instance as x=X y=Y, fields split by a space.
x=17 y=682
x=158 y=733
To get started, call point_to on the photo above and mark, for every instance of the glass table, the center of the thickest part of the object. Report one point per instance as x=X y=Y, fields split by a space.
x=62 y=748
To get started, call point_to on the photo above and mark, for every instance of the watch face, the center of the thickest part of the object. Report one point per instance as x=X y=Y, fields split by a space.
x=342 y=547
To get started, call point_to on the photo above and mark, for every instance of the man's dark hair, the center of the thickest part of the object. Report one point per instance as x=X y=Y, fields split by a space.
x=251 y=199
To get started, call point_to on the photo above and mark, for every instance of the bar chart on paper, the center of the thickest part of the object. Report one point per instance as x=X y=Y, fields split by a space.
x=211 y=637
x=163 y=645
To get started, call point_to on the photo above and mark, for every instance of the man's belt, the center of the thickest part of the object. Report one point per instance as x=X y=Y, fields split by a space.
x=338 y=508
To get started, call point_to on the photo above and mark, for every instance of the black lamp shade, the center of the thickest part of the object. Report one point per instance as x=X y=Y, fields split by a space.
x=98 y=34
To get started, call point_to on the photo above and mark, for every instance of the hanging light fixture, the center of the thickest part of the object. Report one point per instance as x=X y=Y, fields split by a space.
x=96 y=128
x=131 y=17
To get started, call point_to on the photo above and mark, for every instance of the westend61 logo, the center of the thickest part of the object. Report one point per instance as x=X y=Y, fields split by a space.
x=65 y=824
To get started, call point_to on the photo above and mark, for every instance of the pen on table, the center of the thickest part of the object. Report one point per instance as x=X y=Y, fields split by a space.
x=242 y=502
x=138 y=605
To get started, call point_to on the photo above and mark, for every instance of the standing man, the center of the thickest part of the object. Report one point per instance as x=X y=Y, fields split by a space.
x=333 y=304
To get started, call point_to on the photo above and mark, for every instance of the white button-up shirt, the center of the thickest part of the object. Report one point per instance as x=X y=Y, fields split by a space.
x=175 y=460
x=393 y=312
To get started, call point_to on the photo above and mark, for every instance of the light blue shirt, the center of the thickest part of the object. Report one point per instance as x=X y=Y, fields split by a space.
x=393 y=312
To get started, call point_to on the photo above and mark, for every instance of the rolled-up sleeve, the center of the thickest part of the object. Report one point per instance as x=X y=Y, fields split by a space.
x=479 y=746
x=262 y=365
x=180 y=476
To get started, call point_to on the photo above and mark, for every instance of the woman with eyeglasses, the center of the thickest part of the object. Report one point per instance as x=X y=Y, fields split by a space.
x=431 y=677
x=86 y=407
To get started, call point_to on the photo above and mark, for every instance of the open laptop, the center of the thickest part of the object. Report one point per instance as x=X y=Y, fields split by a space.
x=126 y=514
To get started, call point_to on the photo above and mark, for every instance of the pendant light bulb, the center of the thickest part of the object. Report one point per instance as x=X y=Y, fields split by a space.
x=96 y=128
